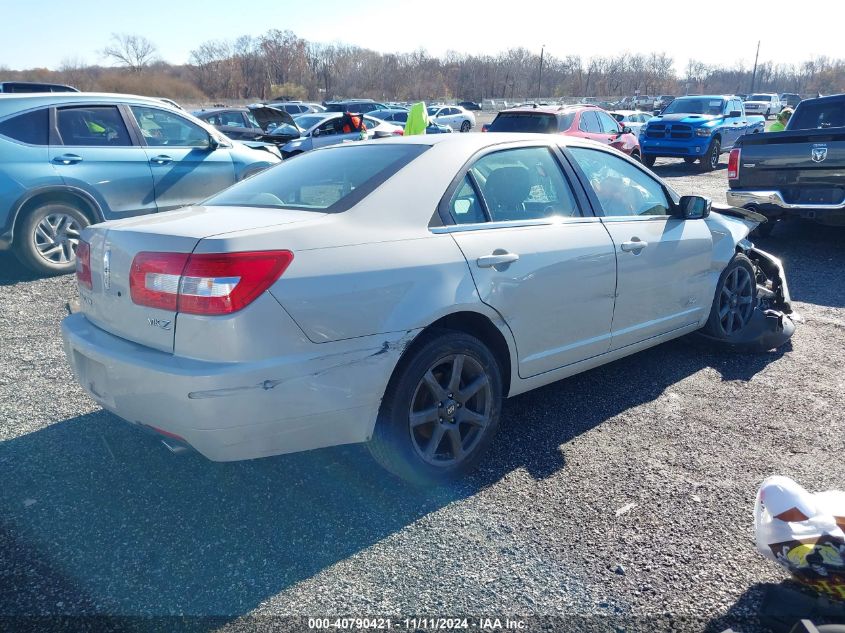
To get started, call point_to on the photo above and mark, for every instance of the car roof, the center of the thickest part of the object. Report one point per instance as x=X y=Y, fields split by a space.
x=15 y=102
x=219 y=109
x=625 y=112
x=476 y=142
x=558 y=109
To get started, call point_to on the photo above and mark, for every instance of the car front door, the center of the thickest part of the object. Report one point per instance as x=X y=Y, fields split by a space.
x=331 y=132
x=234 y=125
x=92 y=149
x=734 y=125
x=663 y=263
x=590 y=127
x=186 y=168
x=548 y=270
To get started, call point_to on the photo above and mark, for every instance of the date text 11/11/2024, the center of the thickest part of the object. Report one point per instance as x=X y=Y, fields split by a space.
x=414 y=624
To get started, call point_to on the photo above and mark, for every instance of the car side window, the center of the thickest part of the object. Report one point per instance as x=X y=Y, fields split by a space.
x=401 y=117
x=622 y=188
x=93 y=126
x=159 y=127
x=608 y=124
x=589 y=123
x=232 y=119
x=29 y=127
x=524 y=184
x=465 y=206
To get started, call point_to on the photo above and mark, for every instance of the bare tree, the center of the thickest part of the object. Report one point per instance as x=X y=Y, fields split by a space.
x=135 y=52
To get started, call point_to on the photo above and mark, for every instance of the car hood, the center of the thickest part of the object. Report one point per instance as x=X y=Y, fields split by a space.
x=267 y=115
x=691 y=119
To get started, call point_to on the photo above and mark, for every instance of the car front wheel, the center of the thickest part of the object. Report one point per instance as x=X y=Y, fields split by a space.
x=440 y=411
x=735 y=300
x=47 y=238
x=648 y=160
x=710 y=161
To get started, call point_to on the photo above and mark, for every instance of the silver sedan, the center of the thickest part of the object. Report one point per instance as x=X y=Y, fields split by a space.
x=393 y=292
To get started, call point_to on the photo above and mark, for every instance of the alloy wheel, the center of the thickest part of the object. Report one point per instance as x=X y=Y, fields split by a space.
x=736 y=300
x=56 y=236
x=450 y=410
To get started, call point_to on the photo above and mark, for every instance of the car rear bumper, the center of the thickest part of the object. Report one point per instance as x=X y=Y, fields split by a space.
x=239 y=410
x=771 y=204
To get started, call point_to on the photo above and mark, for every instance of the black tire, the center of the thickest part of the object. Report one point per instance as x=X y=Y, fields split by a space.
x=689 y=160
x=636 y=156
x=33 y=245
x=648 y=160
x=710 y=160
x=405 y=450
x=465 y=126
x=731 y=297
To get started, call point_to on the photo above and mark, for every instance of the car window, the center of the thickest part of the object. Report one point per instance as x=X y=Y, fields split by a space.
x=700 y=105
x=622 y=188
x=231 y=119
x=818 y=114
x=332 y=126
x=29 y=127
x=251 y=120
x=523 y=184
x=589 y=122
x=163 y=128
x=540 y=122
x=370 y=122
x=93 y=126
x=306 y=121
x=327 y=180
x=608 y=125
x=465 y=206
x=401 y=117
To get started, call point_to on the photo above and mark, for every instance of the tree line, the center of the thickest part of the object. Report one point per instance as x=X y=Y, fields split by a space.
x=279 y=63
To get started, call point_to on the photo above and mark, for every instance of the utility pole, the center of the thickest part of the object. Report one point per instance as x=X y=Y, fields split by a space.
x=754 y=74
x=540 y=75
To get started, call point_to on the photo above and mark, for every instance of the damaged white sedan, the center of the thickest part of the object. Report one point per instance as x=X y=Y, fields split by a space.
x=393 y=292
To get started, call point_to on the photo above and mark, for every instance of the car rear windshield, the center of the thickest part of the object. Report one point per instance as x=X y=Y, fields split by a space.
x=328 y=180
x=811 y=115
x=695 y=106
x=538 y=122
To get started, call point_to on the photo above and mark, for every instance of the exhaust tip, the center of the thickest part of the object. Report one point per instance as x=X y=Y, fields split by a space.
x=177 y=448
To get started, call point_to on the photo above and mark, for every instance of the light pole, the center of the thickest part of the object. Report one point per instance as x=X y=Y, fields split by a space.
x=540 y=74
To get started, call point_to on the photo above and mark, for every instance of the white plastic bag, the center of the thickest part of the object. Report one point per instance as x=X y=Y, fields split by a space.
x=803 y=532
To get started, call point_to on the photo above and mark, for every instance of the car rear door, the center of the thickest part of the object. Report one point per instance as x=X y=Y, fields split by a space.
x=548 y=270
x=185 y=167
x=93 y=149
x=664 y=278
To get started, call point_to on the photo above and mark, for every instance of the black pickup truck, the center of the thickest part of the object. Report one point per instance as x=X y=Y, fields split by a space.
x=799 y=172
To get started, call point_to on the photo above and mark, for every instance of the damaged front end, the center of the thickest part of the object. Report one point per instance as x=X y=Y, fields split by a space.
x=772 y=323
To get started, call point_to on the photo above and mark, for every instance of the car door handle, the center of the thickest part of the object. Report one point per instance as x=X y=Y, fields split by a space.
x=161 y=159
x=67 y=159
x=634 y=246
x=496 y=259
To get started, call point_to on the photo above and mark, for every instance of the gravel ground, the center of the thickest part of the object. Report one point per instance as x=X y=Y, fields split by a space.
x=622 y=495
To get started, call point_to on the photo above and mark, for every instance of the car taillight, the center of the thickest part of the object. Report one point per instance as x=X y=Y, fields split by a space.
x=733 y=164
x=399 y=132
x=83 y=264
x=207 y=283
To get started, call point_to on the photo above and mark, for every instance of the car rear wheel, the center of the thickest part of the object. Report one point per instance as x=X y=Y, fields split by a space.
x=735 y=300
x=710 y=160
x=648 y=160
x=440 y=411
x=465 y=126
x=47 y=238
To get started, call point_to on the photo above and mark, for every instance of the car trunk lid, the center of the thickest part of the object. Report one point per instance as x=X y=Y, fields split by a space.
x=108 y=303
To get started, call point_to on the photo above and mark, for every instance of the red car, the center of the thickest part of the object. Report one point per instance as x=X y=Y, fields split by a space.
x=582 y=120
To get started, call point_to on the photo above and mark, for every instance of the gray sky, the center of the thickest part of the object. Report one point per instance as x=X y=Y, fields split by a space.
x=43 y=33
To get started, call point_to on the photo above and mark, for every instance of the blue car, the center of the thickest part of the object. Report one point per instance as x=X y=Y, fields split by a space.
x=74 y=159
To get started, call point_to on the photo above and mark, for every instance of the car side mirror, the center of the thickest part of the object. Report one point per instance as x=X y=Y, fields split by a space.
x=694 y=207
x=735 y=113
x=316 y=132
x=626 y=130
x=213 y=143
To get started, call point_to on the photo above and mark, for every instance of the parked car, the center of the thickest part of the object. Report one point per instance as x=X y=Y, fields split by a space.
x=69 y=160
x=359 y=106
x=470 y=105
x=403 y=330
x=763 y=104
x=661 y=102
x=790 y=99
x=253 y=123
x=699 y=128
x=32 y=86
x=400 y=118
x=328 y=130
x=295 y=108
x=643 y=102
x=633 y=119
x=582 y=121
x=455 y=117
x=796 y=173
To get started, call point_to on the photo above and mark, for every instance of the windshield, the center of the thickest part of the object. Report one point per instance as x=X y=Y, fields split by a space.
x=329 y=180
x=307 y=121
x=536 y=122
x=760 y=98
x=432 y=110
x=812 y=115
x=700 y=105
